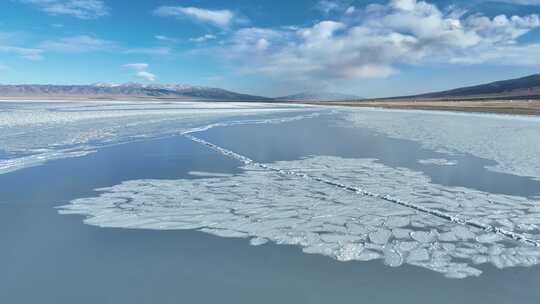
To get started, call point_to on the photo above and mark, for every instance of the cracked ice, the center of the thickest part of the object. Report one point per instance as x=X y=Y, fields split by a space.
x=323 y=219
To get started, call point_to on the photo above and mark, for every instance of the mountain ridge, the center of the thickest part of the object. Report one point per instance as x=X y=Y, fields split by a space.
x=527 y=87
x=318 y=97
x=136 y=90
x=522 y=88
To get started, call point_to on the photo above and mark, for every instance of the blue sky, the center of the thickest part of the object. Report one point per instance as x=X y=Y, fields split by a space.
x=368 y=48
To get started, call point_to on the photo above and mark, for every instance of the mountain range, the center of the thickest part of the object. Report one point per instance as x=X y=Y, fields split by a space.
x=318 y=96
x=155 y=91
x=126 y=90
x=520 y=88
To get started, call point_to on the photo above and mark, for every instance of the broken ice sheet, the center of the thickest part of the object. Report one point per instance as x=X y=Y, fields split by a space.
x=438 y=162
x=323 y=219
x=511 y=141
x=208 y=174
x=32 y=133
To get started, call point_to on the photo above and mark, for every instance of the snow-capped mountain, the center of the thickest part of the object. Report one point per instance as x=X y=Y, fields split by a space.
x=318 y=96
x=125 y=90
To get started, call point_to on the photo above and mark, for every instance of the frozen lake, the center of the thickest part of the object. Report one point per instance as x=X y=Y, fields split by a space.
x=164 y=202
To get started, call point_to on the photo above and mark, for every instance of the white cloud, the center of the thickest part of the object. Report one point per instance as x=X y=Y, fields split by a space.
x=27 y=53
x=376 y=41
x=146 y=76
x=350 y=10
x=220 y=18
x=164 y=38
x=82 y=9
x=10 y=44
x=203 y=38
x=504 y=54
x=329 y=6
x=78 y=44
x=136 y=66
x=151 y=51
x=140 y=70
x=86 y=44
x=262 y=44
x=244 y=40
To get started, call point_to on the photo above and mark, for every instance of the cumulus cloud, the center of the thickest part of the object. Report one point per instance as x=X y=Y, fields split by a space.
x=377 y=40
x=262 y=44
x=503 y=54
x=146 y=76
x=82 y=9
x=140 y=70
x=219 y=18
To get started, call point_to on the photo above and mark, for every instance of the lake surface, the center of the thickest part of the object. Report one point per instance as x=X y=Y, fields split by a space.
x=165 y=219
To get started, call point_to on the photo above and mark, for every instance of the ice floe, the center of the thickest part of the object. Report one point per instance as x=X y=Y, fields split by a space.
x=208 y=174
x=14 y=164
x=322 y=218
x=513 y=142
x=438 y=162
x=331 y=181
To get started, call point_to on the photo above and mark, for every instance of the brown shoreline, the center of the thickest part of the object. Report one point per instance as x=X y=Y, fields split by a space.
x=513 y=107
x=499 y=107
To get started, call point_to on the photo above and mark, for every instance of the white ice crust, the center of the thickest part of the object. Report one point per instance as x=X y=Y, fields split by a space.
x=510 y=140
x=267 y=206
x=32 y=133
x=438 y=162
x=323 y=219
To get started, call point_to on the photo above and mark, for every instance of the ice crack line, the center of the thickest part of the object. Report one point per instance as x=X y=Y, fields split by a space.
x=451 y=218
x=253 y=122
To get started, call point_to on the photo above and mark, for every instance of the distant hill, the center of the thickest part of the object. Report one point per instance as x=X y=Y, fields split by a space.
x=127 y=90
x=318 y=96
x=519 y=88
